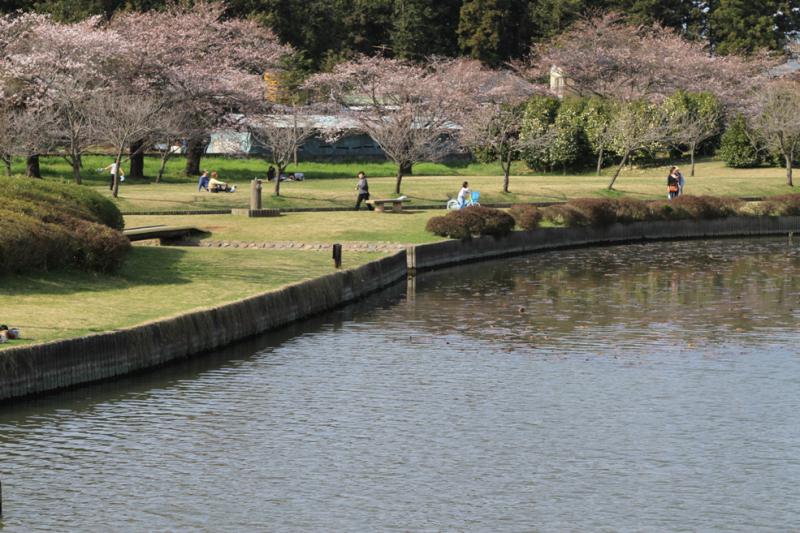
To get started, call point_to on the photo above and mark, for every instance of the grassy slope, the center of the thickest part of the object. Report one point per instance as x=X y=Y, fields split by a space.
x=433 y=184
x=154 y=283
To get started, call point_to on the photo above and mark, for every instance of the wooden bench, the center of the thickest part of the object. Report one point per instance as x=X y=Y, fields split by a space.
x=380 y=205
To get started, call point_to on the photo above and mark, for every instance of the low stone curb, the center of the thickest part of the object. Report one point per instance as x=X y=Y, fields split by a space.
x=290 y=245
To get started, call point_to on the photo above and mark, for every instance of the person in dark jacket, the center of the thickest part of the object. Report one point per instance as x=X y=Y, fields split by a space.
x=363 y=191
x=673 y=186
x=271 y=173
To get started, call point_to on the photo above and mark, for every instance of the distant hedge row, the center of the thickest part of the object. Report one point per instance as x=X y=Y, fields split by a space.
x=47 y=225
x=475 y=221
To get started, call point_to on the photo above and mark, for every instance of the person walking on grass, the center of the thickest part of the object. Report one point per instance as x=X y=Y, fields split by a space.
x=363 y=191
x=112 y=169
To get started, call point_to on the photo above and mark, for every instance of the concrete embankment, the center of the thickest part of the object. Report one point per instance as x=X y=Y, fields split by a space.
x=28 y=370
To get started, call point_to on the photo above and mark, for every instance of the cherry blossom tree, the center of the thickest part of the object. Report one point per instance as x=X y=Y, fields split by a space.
x=195 y=57
x=21 y=135
x=607 y=57
x=117 y=118
x=494 y=132
x=491 y=125
x=409 y=110
x=57 y=67
x=776 y=118
x=282 y=132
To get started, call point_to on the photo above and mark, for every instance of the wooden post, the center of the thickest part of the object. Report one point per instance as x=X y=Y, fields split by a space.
x=337 y=255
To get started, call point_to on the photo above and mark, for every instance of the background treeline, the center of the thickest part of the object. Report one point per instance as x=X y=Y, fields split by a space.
x=327 y=31
x=579 y=134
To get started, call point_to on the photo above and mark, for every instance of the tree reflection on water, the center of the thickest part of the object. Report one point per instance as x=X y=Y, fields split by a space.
x=683 y=292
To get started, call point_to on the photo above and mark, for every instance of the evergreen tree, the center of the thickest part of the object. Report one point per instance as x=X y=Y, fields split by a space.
x=740 y=147
x=494 y=31
x=551 y=17
x=686 y=16
x=743 y=26
x=421 y=28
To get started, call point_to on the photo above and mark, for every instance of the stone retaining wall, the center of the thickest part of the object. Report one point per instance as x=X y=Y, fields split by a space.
x=27 y=370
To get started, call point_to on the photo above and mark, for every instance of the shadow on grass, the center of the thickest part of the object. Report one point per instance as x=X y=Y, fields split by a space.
x=144 y=266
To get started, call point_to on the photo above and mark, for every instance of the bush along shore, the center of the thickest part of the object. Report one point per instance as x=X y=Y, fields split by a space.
x=47 y=226
x=601 y=212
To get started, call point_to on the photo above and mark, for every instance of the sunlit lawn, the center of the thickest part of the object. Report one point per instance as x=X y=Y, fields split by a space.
x=156 y=282
x=432 y=184
x=407 y=227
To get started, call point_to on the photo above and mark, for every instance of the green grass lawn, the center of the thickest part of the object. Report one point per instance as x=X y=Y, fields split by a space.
x=432 y=184
x=240 y=170
x=156 y=282
x=407 y=227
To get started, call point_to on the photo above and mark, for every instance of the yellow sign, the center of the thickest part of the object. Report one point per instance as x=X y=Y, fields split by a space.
x=271 y=86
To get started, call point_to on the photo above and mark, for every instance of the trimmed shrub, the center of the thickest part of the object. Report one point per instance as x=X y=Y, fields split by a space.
x=785 y=205
x=703 y=207
x=596 y=211
x=471 y=221
x=565 y=215
x=497 y=223
x=527 y=217
x=631 y=210
x=44 y=226
x=102 y=249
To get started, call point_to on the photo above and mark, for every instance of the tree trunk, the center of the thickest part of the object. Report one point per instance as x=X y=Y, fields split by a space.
x=32 y=166
x=76 y=170
x=619 y=169
x=788 y=159
x=164 y=158
x=406 y=169
x=506 y=165
x=278 y=180
x=692 y=150
x=194 y=152
x=137 y=160
x=399 y=179
x=118 y=161
x=7 y=163
x=600 y=161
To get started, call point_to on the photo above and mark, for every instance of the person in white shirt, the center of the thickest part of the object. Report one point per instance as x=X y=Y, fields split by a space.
x=464 y=194
x=112 y=169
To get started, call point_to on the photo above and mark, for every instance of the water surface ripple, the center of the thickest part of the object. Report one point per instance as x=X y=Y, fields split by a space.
x=638 y=388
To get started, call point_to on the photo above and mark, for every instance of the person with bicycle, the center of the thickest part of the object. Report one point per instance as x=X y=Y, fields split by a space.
x=464 y=195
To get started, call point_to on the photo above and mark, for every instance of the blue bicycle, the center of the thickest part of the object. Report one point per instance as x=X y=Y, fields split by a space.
x=453 y=204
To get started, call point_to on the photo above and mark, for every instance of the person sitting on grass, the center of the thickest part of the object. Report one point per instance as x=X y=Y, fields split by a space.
x=202 y=183
x=215 y=185
x=7 y=334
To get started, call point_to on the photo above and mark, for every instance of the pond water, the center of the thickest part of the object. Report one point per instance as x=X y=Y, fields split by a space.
x=638 y=388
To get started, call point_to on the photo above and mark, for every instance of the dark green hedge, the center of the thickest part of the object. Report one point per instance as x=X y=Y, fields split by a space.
x=471 y=221
x=47 y=225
